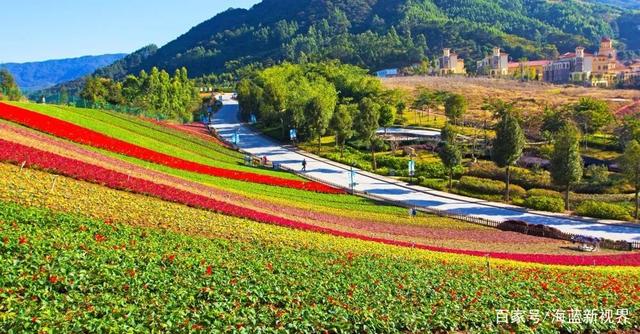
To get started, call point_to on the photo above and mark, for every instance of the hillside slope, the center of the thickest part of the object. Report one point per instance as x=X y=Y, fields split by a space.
x=39 y=75
x=383 y=33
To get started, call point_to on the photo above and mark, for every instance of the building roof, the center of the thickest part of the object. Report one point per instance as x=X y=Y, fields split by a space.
x=543 y=62
x=573 y=55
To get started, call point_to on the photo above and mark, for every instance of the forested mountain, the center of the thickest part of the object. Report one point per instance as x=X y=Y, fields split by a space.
x=630 y=4
x=388 y=33
x=118 y=70
x=39 y=75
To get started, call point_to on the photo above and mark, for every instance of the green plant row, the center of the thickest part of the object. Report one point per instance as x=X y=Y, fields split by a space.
x=149 y=138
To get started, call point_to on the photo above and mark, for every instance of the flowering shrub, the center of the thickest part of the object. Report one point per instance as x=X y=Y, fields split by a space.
x=88 y=137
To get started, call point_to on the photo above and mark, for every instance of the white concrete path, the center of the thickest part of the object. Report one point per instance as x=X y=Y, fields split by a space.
x=226 y=123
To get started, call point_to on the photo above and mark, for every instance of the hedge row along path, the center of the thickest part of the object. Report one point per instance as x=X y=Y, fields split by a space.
x=31 y=157
x=85 y=136
x=226 y=123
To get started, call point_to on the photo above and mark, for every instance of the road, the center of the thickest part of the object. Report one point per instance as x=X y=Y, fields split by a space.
x=226 y=123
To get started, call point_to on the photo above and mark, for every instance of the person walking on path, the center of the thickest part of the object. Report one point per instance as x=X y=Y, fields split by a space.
x=304 y=165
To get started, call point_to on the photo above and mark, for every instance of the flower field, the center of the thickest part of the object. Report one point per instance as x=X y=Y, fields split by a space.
x=379 y=222
x=98 y=239
x=85 y=136
x=18 y=153
x=70 y=273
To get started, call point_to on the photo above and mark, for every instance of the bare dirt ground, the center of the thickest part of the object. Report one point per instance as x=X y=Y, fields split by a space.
x=531 y=97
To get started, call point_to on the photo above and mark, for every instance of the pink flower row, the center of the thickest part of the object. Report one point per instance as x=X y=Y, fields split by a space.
x=18 y=154
x=85 y=136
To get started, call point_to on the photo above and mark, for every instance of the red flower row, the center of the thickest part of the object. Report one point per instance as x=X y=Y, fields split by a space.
x=85 y=136
x=18 y=154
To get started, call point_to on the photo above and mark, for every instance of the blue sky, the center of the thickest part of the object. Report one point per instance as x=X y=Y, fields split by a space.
x=33 y=30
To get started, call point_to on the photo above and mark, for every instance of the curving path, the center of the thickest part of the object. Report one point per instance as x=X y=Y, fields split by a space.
x=226 y=123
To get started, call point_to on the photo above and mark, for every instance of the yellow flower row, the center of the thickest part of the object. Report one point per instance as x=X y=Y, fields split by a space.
x=61 y=194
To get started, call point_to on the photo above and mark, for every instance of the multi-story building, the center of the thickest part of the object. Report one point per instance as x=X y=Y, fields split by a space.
x=495 y=65
x=570 y=67
x=607 y=70
x=449 y=63
x=530 y=70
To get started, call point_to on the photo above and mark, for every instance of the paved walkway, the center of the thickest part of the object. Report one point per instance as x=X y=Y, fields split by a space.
x=226 y=124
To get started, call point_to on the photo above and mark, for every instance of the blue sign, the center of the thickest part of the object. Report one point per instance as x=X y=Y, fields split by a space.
x=412 y=167
x=235 y=138
x=293 y=134
x=253 y=119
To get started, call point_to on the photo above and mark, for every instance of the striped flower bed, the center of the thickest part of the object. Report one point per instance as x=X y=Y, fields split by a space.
x=85 y=136
x=31 y=157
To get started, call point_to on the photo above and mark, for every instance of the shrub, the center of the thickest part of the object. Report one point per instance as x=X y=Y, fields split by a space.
x=544 y=203
x=437 y=184
x=603 y=210
x=519 y=176
x=488 y=187
x=543 y=192
x=432 y=170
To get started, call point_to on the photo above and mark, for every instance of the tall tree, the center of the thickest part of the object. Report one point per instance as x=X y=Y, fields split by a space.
x=455 y=106
x=387 y=116
x=94 y=91
x=8 y=86
x=427 y=100
x=509 y=141
x=342 y=124
x=630 y=165
x=449 y=152
x=592 y=114
x=566 y=162
x=367 y=125
x=319 y=111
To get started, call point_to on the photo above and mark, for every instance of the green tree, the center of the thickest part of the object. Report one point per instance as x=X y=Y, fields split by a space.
x=566 y=162
x=367 y=125
x=387 y=116
x=554 y=119
x=455 y=106
x=94 y=91
x=449 y=152
x=342 y=124
x=63 y=96
x=592 y=114
x=8 y=87
x=509 y=142
x=319 y=112
x=427 y=100
x=630 y=165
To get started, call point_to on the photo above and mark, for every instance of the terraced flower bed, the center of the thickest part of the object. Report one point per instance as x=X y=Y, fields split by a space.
x=68 y=273
x=31 y=157
x=88 y=137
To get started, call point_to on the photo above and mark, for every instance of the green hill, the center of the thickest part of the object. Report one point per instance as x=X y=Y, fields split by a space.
x=388 y=33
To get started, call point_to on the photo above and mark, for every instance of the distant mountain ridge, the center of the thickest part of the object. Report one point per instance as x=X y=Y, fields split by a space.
x=34 y=76
x=378 y=34
x=629 y=4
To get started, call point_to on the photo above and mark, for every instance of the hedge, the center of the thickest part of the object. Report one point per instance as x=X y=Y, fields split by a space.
x=489 y=187
x=603 y=210
x=544 y=203
x=536 y=192
x=520 y=176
